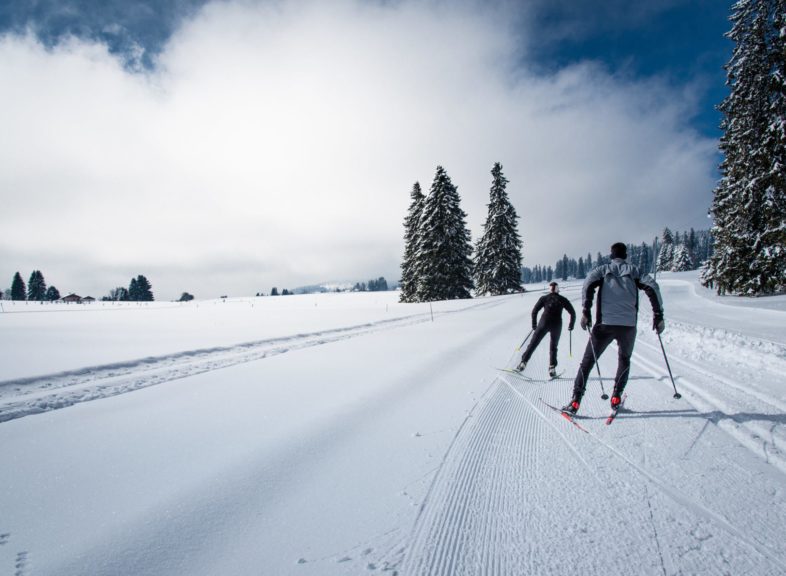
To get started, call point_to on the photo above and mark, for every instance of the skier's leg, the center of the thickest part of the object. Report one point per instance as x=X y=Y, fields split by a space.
x=600 y=339
x=556 y=330
x=537 y=336
x=626 y=338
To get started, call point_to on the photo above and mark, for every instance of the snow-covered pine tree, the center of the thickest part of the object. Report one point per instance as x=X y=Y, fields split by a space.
x=581 y=272
x=18 y=288
x=748 y=207
x=36 y=287
x=444 y=248
x=681 y=260
x=644 y=258
x=498 y=252
x=409 y=273
x=666 y=251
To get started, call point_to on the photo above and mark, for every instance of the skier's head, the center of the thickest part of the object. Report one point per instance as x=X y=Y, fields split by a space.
x=619 y=250
x=554 y=287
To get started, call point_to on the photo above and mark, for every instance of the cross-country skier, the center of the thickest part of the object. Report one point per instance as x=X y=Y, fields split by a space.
x=616 y=312
x=552 y=305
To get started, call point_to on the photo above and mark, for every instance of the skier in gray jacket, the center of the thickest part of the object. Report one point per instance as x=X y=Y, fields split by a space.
x=617 y=310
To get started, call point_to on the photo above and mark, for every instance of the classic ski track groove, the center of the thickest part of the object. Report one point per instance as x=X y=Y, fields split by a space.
x=752 y=435
x=464 y=527
x=27 y=396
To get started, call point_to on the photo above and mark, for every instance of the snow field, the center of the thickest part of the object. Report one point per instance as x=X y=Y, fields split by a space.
x=345 y=436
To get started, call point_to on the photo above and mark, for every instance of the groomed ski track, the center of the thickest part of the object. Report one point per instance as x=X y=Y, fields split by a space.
x=523 y=492
x=464 y=470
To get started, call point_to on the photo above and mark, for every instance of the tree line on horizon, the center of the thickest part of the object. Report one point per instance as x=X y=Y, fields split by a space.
x=672 y=252
x=36 y=290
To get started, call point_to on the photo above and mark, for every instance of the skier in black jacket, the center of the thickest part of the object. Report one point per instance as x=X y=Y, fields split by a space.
x=550 y=322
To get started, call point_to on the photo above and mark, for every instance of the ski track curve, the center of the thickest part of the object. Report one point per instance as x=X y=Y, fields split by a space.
x=27 y=396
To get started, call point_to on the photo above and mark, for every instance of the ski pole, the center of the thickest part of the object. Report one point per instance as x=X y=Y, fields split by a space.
x=570 y=341
x=603 y=395
x=677 y=395
x=525 y=340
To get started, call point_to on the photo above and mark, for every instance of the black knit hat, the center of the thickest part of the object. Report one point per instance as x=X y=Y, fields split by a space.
x=619 y=250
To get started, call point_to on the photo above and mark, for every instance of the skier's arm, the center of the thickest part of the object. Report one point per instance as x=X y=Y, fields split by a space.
x=652 y=290
x=569 y=307
x=591 y=283
x=535 y=310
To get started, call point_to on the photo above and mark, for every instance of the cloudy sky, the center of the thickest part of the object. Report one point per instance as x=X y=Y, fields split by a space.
x=230 y=146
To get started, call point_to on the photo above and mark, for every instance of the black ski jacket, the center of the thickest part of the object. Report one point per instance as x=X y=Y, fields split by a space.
x=552 y=305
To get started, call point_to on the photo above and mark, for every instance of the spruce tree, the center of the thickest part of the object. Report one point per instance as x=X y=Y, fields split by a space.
x=18 y=288
x=133 y=291
x=498 y=252
x=36 y=287
x=666 y=251
x=644 y=259
x=444 y=249
x=409 y=272
x=681 y=260
x=144 y=289
x=581 y=272
x=749 y=204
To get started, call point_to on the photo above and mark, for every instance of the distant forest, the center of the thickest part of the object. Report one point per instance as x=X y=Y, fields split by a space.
x=671 y=251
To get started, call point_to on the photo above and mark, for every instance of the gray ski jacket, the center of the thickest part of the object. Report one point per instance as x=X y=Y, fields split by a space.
x=618 y=284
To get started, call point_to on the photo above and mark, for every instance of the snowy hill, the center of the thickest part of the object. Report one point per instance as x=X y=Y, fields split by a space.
x=346 y=433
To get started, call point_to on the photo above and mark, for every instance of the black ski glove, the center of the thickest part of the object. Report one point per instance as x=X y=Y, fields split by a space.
x=534 y=325
x=586 y=319
x=570 y=327
x=658 y=323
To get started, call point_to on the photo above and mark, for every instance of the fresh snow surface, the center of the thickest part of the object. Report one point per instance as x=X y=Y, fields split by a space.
x=336 y=434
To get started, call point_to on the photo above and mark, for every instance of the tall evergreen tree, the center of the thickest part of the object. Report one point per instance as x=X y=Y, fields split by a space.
x=145 y=289
x=681 y=261
x=749 y=204
x=140 y=290
x=443 y=260
x=666 y=251
x=644 y=258
x=18 y=288
x=409 y=272
x=36 y=287
x=581 y=273
x=498 y=253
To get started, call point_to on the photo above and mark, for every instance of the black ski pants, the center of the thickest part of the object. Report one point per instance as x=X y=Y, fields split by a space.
x=600 y=337
x=543 y=328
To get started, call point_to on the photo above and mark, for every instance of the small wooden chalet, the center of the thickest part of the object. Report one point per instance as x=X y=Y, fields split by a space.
x=73 y=298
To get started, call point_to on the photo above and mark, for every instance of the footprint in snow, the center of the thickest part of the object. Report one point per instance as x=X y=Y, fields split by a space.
x=345 y=559
x=21 y=564
x=4 y=538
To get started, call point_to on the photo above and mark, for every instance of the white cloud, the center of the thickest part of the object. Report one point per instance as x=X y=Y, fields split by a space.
x=282 y=141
